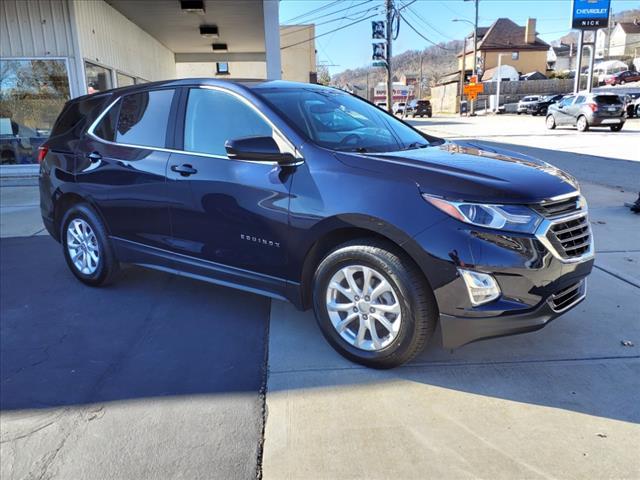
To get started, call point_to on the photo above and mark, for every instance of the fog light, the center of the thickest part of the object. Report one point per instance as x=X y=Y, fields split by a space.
x=482 y=287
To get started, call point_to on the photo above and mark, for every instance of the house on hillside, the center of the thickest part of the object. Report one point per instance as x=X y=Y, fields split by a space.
x=527 y=52
x=625 y=40
x=562 y=57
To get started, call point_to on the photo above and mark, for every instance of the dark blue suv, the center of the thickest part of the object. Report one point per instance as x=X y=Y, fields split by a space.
x=312 y=195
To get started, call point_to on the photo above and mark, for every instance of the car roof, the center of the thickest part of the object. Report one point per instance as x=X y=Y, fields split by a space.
x=235 y=84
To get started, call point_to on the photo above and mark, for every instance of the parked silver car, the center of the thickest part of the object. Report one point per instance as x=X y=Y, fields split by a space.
x=586 y=110
x=526 y=102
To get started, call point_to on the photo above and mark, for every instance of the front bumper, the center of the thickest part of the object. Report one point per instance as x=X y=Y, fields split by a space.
x=528 y=269
x=459 y=331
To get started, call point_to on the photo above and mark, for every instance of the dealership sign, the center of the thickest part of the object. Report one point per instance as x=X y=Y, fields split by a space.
x=590 y=14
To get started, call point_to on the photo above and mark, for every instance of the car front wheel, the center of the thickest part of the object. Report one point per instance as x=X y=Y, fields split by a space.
x=373 y=305
x=86 y=246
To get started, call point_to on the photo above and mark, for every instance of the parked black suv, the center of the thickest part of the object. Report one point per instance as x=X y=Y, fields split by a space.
x=540 y=107
x=312 y=195
x=419 y=108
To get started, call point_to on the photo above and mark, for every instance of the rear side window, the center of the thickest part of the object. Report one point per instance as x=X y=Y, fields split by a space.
x=607 y=99
x=579 y=100
x=143 y=118
x=76 y=113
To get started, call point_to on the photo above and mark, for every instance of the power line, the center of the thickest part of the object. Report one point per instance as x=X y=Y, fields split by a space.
x=422 y=20
x=349 y=17
x=334 y=12
x=330 y=31
x=425 y=38
x=311 y=12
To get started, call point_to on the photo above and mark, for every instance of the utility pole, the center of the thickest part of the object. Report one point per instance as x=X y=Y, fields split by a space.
x=420 y=80
x=475 y=53
x=389 y=4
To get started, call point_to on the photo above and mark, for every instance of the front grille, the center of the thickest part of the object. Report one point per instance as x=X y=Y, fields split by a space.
x=571 y=238
x=568 y=296
x=555 y=208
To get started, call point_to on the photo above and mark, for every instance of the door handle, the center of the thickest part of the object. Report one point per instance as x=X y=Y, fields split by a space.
x=94 y=157
x=184 y=170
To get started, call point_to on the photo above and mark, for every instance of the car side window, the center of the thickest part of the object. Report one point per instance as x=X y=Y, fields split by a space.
x=214 y=116
x=580 y=100
x=566 y=101
x=143 y=118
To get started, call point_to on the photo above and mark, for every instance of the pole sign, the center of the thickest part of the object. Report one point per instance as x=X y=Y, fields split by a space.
x=378 y=30
x=590 y=14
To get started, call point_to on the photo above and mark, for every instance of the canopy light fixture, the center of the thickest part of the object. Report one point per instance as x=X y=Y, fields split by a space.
x=219 y=47
x=192 y=6
x=209 y=31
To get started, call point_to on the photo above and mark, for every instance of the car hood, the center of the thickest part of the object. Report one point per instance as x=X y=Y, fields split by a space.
x=466 y=171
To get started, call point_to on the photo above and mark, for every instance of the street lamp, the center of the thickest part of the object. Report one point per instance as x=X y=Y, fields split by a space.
x=464 y=58
x=475 y=45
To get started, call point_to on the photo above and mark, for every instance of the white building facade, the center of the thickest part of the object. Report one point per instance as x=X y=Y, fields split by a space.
x=54 y=50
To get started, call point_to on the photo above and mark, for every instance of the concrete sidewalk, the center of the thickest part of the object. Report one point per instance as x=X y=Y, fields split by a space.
x=561 y=402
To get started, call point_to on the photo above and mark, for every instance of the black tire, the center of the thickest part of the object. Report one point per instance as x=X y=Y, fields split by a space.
x=550 y=122
x=518 y=113
x=534 y=114
x=429 y=115
x=616 y=128
x=107 y=265
x=582 y=123
x=419 y=312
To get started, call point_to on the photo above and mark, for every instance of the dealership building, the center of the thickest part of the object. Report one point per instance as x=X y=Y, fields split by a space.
x=54 y=50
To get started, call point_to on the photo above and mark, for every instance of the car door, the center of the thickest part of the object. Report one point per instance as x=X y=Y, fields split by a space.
x=229 y=216
x=574 y=110
x=122 y=163
x=562 y=113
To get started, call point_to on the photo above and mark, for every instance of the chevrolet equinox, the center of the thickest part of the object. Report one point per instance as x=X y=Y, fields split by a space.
x=312 y=195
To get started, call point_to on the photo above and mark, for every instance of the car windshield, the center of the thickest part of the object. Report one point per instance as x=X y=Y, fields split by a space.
x=339 y=121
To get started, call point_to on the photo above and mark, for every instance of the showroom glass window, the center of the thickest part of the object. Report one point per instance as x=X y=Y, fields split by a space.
x=125 y=80
x=98 y=78
x=138 y=119
x=213 y=117
x=32 y=95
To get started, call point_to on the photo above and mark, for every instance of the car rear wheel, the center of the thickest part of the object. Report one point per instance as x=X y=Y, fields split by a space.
x=373 y=305
x=551 y=122
x=582 y=124
x=86 y=246
x=616 y=128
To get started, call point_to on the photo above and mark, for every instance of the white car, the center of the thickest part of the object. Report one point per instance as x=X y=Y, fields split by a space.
x=398 y=108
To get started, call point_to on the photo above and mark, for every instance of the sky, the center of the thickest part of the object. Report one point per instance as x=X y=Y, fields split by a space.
x=351 y=46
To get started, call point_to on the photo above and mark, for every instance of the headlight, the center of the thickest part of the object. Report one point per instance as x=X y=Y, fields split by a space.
x=513 y=218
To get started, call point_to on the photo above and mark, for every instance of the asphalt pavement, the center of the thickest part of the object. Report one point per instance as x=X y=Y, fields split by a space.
x=156 y=376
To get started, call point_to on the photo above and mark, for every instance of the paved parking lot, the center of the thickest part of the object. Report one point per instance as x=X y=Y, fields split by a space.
x=162 y=377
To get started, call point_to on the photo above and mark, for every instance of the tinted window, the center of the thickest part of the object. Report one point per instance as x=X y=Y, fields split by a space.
x=143 y=118
x=579 y=100
x=75 y=113
x=607 y=99
x=213 y=117
x=106 y=128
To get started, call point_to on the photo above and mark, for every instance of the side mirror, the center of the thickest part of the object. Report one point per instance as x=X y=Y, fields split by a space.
x=257 y=149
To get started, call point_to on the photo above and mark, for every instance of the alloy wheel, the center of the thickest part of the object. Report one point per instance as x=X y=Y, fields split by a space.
x=82 y=246
x=363 y=307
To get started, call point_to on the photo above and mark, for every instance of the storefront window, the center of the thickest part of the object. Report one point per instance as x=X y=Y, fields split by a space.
x=32 y=95
x=98 y=78
x=125 y=80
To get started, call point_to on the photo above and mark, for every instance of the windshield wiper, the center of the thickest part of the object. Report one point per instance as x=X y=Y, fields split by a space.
x=416 y=145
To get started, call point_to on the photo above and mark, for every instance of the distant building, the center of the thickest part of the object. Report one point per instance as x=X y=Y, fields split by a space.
x=562 y=57
x=625 y=40
x=401 y=92
x=528 y=51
